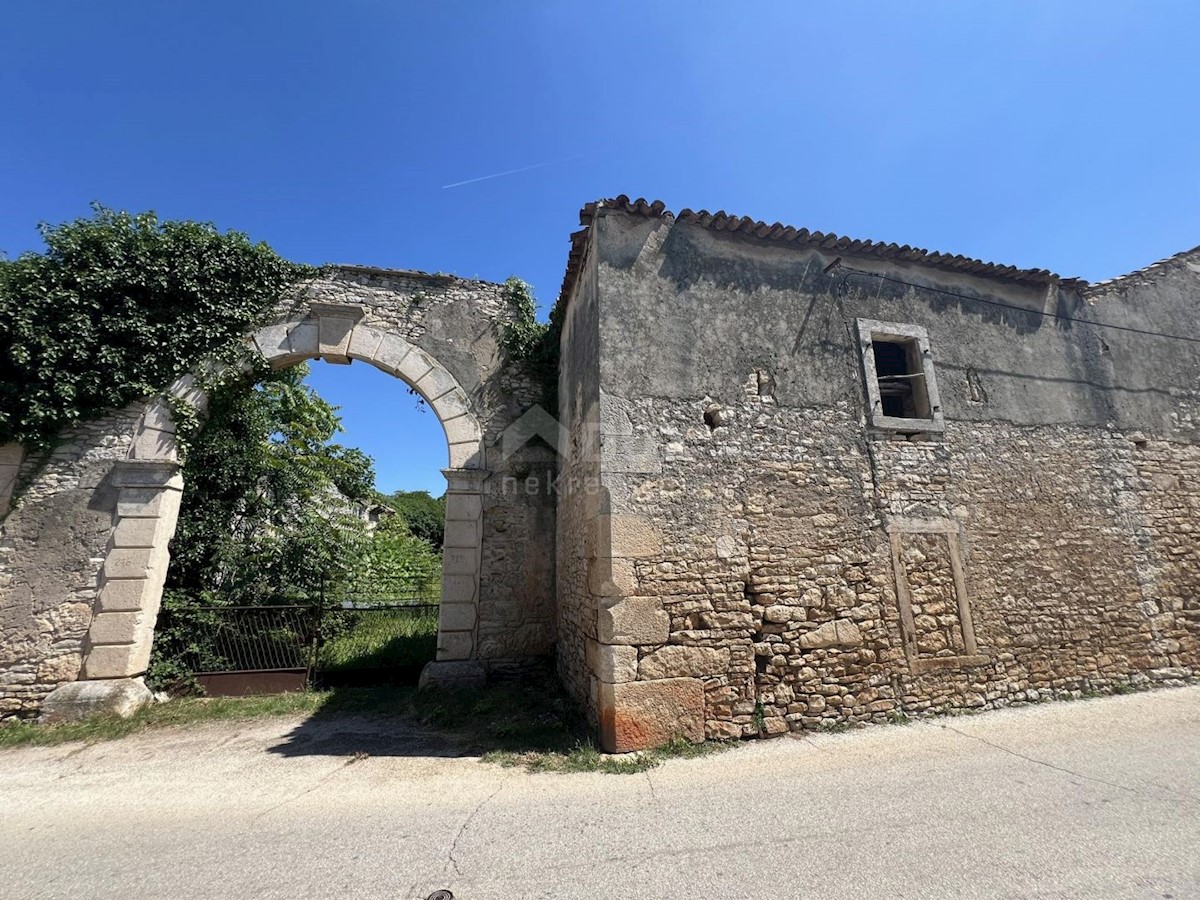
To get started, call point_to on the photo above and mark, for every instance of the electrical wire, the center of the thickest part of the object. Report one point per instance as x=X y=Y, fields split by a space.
x=838 y=264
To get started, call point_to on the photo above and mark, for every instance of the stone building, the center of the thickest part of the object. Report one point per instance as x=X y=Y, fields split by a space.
x=813 y=480
x=800 y=479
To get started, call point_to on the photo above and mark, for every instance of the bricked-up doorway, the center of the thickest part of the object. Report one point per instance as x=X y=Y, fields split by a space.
x=150 y=486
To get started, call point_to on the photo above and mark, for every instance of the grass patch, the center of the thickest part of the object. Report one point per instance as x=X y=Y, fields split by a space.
x=532 y=724
x=185 y=711
x=587 y=757
x=381 y=639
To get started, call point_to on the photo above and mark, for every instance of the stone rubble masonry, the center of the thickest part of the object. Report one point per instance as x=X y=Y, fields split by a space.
x=85 y=548
x=728 y=540
x=757 y=558
x=583 y=574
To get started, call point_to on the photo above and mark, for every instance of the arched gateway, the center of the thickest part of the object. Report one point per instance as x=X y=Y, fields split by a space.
x=438 y=334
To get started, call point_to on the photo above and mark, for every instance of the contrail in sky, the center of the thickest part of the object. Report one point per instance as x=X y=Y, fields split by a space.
x=552 y=162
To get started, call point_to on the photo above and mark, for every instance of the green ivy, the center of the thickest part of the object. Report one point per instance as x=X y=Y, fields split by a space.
x=533 y=343
x=119 y=306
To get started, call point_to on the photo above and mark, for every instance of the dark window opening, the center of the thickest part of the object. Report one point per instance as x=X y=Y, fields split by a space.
x=900 y=372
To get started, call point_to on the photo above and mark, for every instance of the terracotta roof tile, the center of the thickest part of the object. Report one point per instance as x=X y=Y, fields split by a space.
x=1153 y=270
x=788 y=234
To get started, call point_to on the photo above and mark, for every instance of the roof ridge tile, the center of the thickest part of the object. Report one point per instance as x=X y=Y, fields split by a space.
x=789 y=234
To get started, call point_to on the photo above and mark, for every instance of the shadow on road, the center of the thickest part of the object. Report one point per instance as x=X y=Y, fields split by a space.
x=533 y=714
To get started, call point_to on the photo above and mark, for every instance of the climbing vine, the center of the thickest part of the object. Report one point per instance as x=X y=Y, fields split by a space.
x=117 y=307
x=532 y=342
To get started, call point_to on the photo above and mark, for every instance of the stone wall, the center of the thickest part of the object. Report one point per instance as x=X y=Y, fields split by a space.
x=85 y=549
x=53 y=544
x=580 y=575
x=791 y=566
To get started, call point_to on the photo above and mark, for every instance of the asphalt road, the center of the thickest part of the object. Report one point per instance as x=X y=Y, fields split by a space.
x=1098 y=798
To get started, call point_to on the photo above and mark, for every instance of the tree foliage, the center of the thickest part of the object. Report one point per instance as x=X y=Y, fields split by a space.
x=117 y=307
x=397 y=558
x=424 y=515
x=267 y=512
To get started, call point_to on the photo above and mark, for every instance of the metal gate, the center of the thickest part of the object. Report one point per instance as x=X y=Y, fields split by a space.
x=380 y=636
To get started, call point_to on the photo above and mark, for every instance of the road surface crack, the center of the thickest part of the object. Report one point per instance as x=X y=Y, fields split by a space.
x=320 y=781
x=462 y=829
x=650 y=784
x=1187 y=798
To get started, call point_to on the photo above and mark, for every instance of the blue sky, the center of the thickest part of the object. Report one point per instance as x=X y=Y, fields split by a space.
x=1050 y=134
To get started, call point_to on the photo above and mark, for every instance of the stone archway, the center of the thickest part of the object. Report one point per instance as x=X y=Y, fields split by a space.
x=150 y=488
x=84 y=547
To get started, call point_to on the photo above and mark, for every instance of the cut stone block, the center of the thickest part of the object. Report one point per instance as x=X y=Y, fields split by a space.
x=452 y=675
x=83 y=699
x=122 y=595
x=611 y=663
x=115 y=628
x=435 y=383
x=461 y=534
x=415 y=366
x=136 y=533
x=463 y=507
x=272 y=340
x=458 y=589
x=633 y=454
x=839 y=633
x=333 y=338
x=456 y=616
x=614 y=415
x=304 y=340
x=634 y=621
x=612 y=577
x=454 y=645
x=460 y=561
x=140 y=501
x=147 y=473
x=467 y=455
x=127 y=563
x=628 y=537
x=116 y=661
x=364 y=342
x=187 y=390
x=391 y=353
x=673 y=661
x=153 y=444
x=158 y=415
x=452 y=405
x=462 y=430
x=639 y=715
